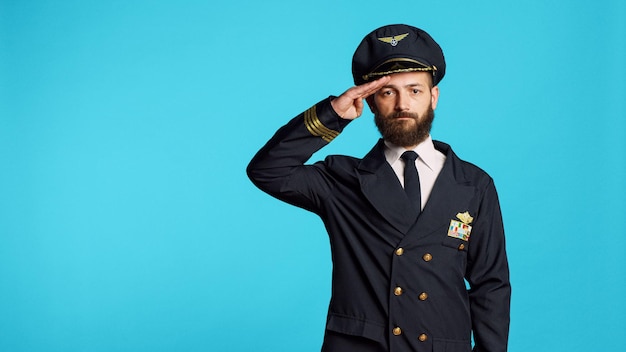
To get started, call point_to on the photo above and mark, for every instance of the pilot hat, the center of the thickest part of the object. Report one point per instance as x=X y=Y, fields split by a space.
x=394 y=49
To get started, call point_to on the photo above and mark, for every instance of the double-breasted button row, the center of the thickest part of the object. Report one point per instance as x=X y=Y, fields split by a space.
x=397 y=331
x=398 y=291
x=426 y=257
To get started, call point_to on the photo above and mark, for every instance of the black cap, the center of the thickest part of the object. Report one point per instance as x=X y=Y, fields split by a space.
x=397 y=48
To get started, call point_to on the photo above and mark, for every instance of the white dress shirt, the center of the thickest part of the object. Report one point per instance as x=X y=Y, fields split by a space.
x=429 y=164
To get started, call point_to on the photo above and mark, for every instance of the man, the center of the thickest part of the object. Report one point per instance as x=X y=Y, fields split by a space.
x=408 y=223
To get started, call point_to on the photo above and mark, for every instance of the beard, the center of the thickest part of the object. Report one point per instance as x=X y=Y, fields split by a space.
x=405 y=133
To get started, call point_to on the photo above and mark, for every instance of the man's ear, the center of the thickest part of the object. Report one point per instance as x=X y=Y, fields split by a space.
x=371 y=104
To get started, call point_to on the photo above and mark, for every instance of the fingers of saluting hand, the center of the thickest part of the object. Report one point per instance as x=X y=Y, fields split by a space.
x=349 y=105
x=367 y=89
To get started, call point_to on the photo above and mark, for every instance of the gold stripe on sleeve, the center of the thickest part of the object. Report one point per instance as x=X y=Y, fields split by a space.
x=315 y=126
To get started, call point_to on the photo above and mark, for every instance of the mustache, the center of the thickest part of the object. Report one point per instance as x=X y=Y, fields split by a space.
x=405 y=114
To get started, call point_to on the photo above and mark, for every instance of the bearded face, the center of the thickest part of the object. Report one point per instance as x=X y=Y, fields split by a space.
x=403 y=128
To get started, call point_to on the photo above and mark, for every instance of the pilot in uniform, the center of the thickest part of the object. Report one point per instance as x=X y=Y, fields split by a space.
x=418 y=247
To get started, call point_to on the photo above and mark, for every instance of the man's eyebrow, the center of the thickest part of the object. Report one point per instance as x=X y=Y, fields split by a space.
x=415 y=85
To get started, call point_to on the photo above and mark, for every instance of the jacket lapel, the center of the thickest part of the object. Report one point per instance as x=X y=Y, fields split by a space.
x=381 y=187
x=451 y=194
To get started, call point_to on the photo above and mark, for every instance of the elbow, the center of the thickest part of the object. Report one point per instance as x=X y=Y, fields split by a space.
x=251 y=172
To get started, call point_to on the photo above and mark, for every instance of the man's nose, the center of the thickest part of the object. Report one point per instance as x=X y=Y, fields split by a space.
x=402 y=102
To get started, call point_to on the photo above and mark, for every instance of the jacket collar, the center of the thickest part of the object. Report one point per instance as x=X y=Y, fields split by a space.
x=381 y=187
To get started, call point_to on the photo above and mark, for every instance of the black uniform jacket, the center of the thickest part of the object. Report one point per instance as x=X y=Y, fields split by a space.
x=396 y=279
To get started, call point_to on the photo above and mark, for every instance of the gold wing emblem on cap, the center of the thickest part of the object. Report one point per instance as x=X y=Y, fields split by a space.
x=393 y=40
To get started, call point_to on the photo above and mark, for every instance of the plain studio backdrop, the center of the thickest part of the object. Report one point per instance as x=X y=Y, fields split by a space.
x=127 y=222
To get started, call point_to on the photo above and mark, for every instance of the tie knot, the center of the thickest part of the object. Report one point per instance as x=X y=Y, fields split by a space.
x=409 y=156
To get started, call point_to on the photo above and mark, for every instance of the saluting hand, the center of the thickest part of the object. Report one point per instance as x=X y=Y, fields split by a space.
x=349 y=105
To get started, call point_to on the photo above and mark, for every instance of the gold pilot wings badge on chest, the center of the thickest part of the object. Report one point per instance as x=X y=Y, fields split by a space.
x=394 y=39
x=461 y=229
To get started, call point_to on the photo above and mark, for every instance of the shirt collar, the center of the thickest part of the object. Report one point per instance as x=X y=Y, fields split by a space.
x=426 y=151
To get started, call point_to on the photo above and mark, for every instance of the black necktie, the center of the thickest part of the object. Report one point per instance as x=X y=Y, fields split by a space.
x=411 y=180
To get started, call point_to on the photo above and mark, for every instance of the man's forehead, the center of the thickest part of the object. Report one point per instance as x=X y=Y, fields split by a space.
x=407 y=79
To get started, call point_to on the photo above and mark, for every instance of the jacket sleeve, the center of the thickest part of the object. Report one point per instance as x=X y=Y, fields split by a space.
x=278 y=168
x=488 y=276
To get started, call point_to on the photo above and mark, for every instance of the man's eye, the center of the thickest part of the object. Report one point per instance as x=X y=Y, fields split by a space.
x=416 y=91
x=387 y=92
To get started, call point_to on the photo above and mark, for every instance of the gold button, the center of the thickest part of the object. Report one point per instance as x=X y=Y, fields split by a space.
x=397 y=291
x=423 y=337
x=400 y=251
x=461 y=246
x=423 y=296
x=397 y=331
x=427 y=257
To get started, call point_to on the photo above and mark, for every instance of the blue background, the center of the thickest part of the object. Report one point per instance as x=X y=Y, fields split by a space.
x=127 y=222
